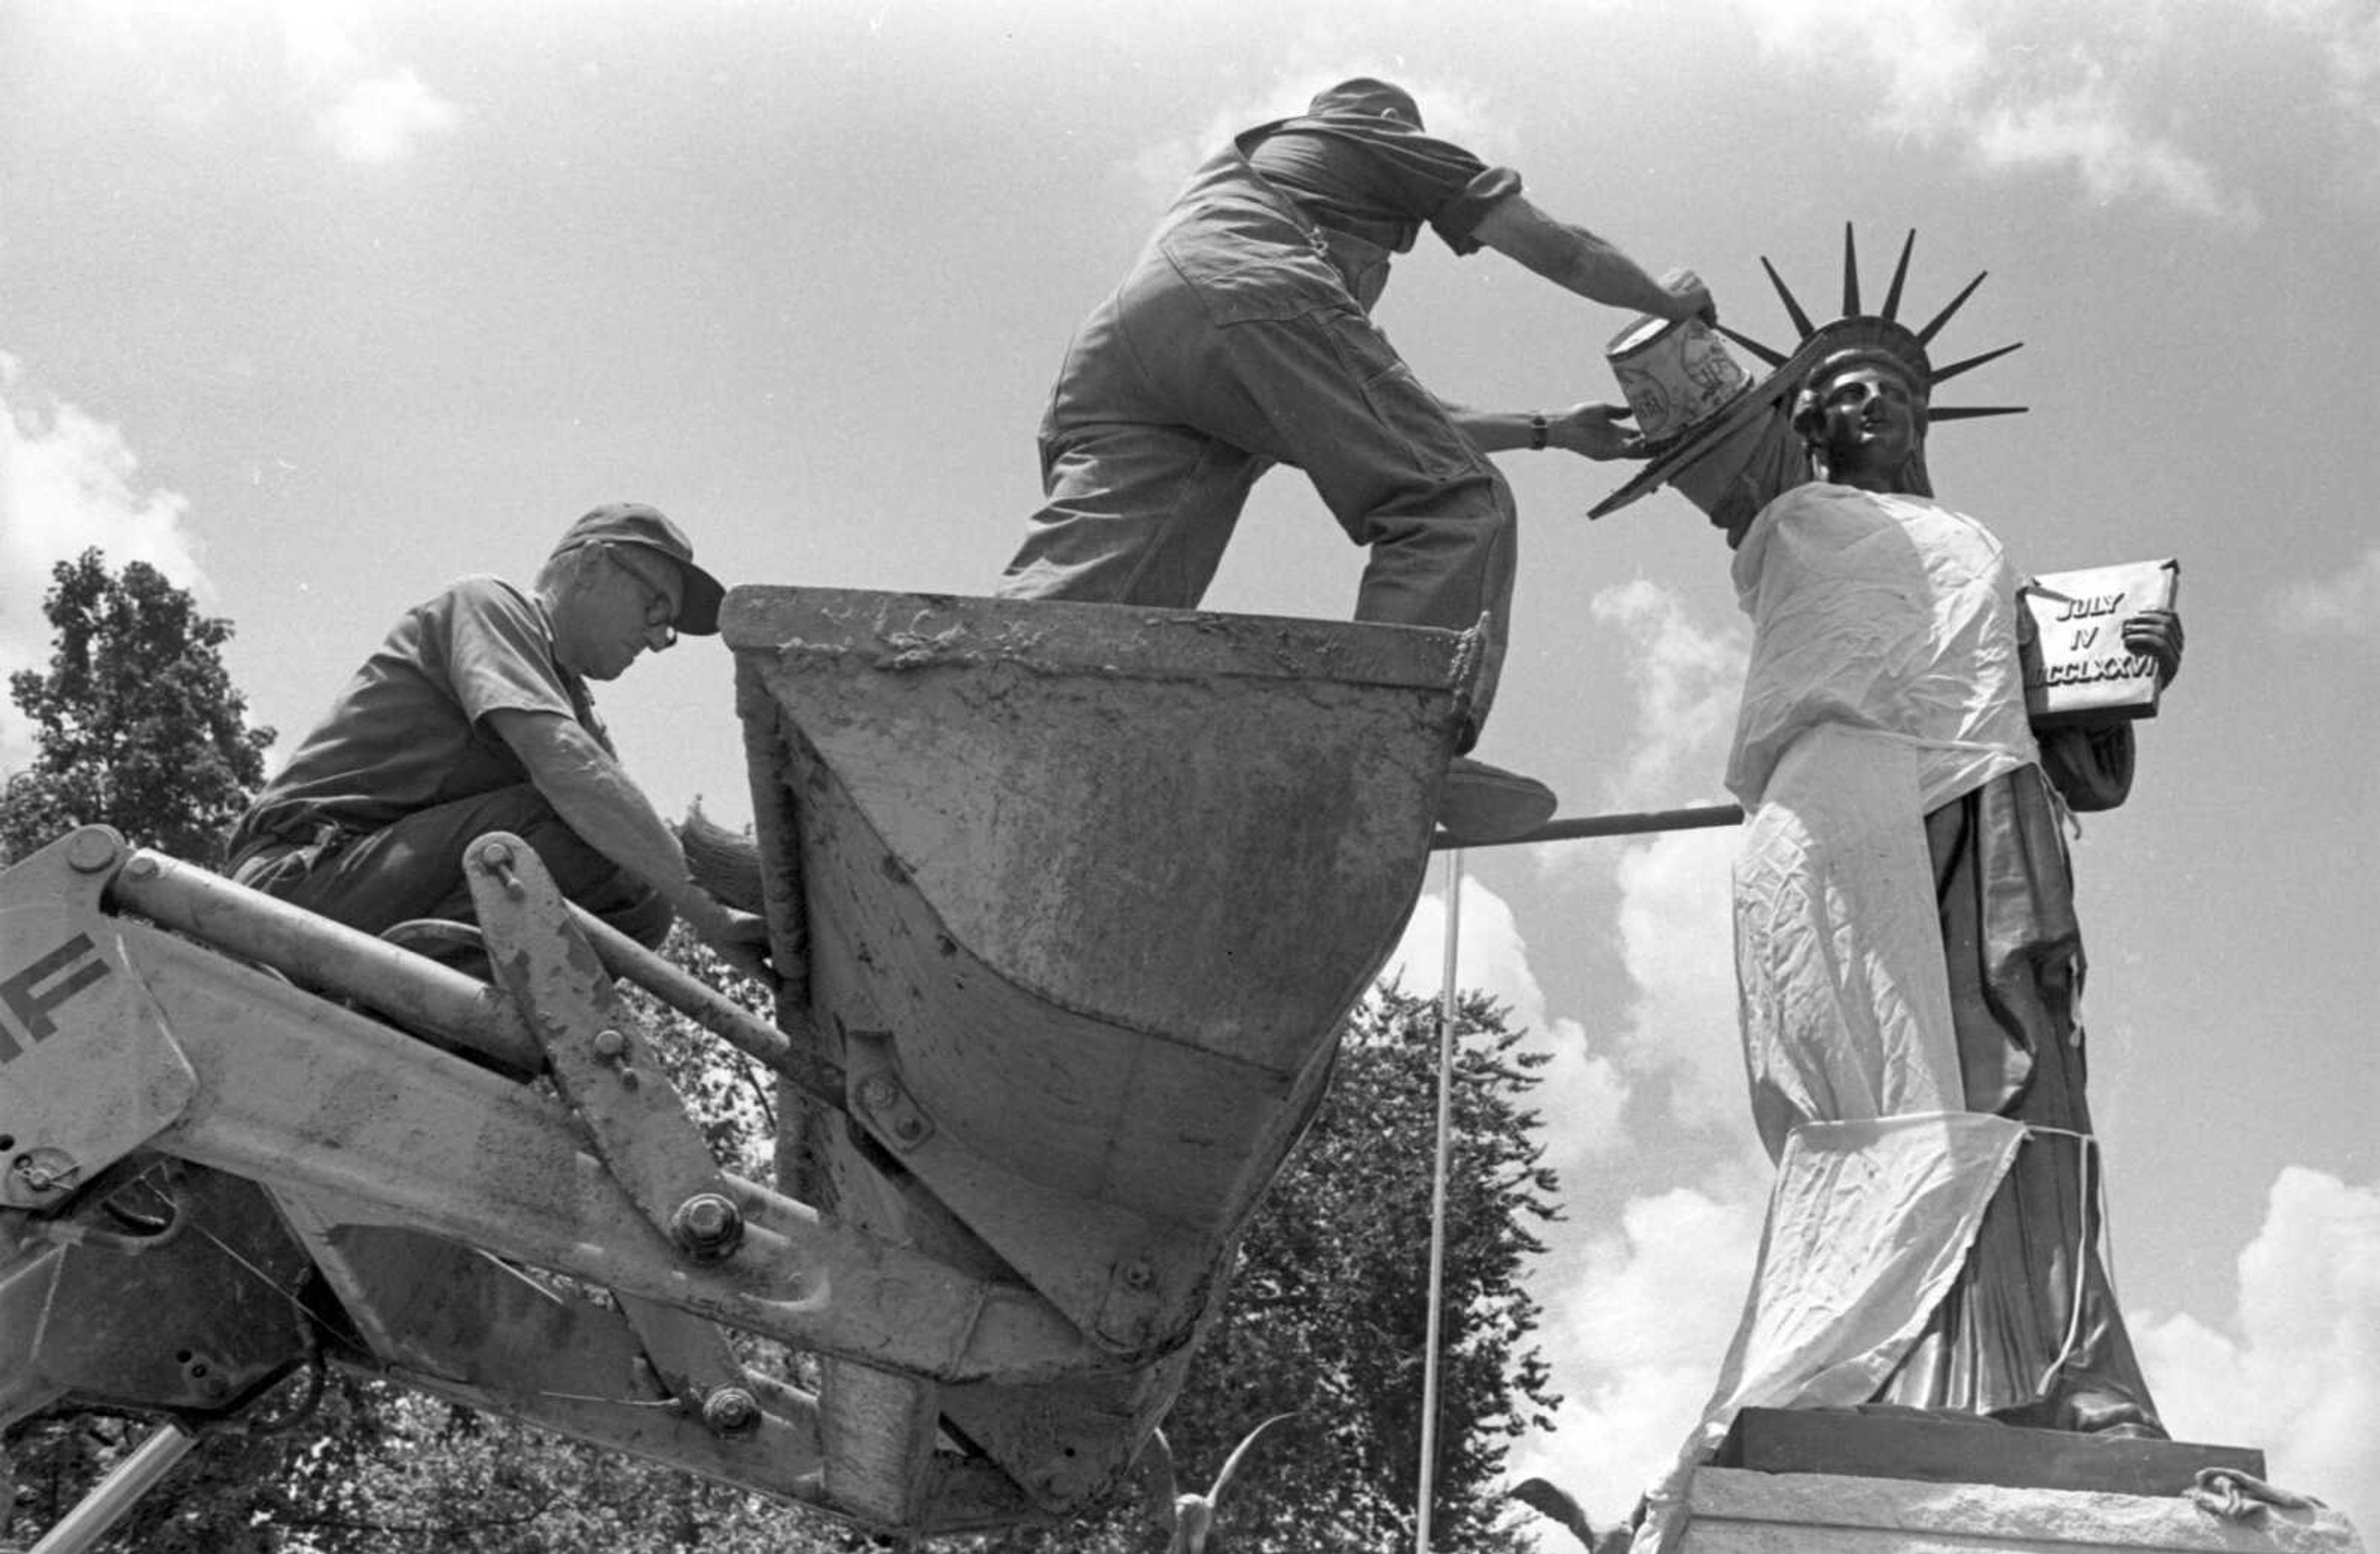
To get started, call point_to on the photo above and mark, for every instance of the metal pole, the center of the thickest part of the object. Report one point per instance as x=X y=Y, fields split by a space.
x=1446 y=1011
x=800 y=1062
x=1579 y=826
x=112 y=1497
x=322 y=954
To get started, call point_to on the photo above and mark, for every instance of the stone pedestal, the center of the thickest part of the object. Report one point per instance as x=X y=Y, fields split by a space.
x=1898 y=1482
x=1737 y=1511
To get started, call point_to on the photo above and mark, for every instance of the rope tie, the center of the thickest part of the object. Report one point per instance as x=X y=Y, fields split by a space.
x=2238 y=1497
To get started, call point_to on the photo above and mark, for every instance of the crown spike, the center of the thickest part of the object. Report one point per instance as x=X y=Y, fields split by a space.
x=1793 y=308
x=1773 y=359
x=1900 y=275
x=1851 y=275
x=1971 y=412
x=1927 y=333
x=1944 y=374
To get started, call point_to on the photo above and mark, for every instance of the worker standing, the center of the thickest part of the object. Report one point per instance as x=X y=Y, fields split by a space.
x=1241 y=338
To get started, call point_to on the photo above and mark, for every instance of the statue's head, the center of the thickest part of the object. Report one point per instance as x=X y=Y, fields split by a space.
x=1784 y=429
x=1861 y=413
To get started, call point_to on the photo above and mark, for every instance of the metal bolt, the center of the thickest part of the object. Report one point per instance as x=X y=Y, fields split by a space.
x=497 y=858
x=1138 y=1274
x=729 y=1410
x=45 y=1170
x=908 y=1127
x=610 y=1044
x=877 y=1092
x=141 y=868
x=89 y=851
x=708 y=1226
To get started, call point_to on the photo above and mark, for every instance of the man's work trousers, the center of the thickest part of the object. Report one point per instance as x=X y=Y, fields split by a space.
x=1198 y=374
x=413 y=867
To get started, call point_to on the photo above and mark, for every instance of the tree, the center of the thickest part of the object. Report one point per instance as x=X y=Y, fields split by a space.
x=1328 y=1310
x=136 y=723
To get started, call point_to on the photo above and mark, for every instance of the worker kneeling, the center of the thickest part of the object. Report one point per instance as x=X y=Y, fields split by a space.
x=473 y=716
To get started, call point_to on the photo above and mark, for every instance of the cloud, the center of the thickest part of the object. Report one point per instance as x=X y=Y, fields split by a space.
x=2344 y=604
x=366 y=109
x=1583 y=1091
x=381 y=120
x=1677 y=937
x=2348 y=33
x=1638 y=1322
x=69 y=481
x=1688 y=679
x=1945 y=71
x=2086 y=132
x=2302 y=1379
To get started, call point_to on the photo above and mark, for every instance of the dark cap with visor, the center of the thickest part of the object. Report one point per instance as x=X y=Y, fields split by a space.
x=635 y=523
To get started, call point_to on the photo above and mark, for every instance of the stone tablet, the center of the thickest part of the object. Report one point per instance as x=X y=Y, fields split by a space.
x=2076 y=666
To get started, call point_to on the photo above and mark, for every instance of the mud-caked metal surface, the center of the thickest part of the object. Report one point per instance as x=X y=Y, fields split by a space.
x=1084 y=892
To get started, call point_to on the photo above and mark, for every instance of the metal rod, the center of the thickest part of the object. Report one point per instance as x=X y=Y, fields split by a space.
x=115 y=1495
x=327 y=956
x=799 y=1062
x=1446 y=1014
x=1631 y=824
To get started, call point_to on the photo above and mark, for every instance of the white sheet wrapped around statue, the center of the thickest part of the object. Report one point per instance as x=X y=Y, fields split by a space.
x=1867 y=1227
x=1846 y=1017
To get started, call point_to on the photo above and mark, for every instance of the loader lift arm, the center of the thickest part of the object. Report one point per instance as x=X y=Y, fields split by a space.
x=410 y=1180
x=1052 y=1048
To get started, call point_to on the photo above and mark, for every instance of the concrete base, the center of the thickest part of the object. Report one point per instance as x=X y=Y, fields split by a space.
x=1739 y=1512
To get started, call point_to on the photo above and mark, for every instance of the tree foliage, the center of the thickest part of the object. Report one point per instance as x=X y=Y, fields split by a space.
x=1328 y=1308
x=136 y=723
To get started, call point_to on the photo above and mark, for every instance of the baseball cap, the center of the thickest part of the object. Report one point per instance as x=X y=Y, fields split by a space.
x=1369 y=96
x=635 y=523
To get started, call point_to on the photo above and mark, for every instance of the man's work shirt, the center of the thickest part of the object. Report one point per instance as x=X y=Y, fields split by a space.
x=1378 y=179
x=409 y=731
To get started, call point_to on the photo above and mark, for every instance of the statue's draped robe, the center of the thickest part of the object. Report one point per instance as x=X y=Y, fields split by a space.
x=1907 y=972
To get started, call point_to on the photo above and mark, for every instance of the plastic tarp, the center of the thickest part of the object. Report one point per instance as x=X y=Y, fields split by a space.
x=1868 y=1225
x=1882 y=611
x=1885 y=682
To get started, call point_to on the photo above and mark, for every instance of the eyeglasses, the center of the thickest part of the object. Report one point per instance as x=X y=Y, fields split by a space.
x=660 y=610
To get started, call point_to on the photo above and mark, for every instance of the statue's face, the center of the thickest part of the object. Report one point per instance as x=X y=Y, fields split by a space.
x=1868 y=423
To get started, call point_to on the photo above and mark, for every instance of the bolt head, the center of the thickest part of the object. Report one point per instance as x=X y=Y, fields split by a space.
x=89 y=851
x=610 y=1043
x=707 y=1225
x=877 y=1092
x=495 y=855
x=727 y=1410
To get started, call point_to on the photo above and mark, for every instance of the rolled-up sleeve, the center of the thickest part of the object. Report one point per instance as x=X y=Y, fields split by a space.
x=1460 y=216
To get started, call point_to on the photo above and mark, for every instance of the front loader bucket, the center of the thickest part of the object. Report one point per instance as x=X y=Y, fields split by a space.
x=1086 y=889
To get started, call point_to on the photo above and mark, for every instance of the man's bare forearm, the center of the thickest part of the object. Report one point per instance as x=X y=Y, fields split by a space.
x=1581 y=262
x=595 y=798
x=1600 y=272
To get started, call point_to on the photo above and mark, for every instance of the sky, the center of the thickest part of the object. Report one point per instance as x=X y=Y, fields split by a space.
x=318 y=307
